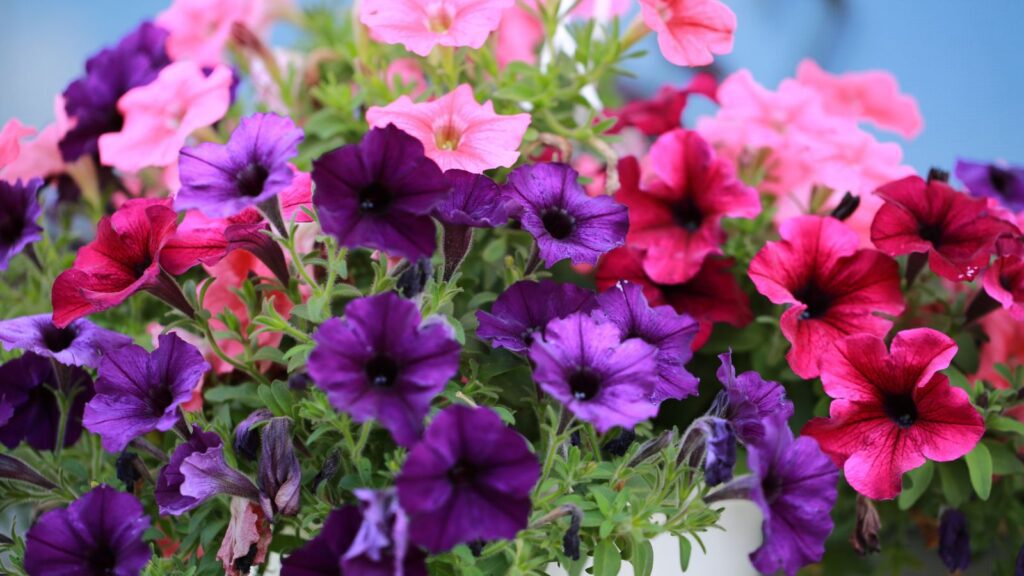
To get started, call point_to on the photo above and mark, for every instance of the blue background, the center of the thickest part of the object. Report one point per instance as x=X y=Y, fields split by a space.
x=961 y=59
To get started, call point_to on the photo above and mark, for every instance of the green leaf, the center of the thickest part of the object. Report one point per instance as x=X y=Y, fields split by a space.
x=244 y=393
x=979 y=467
x=1004 y=424
x=1004 y=459
x=920 y=479
x=685 y=549
x=956 y=484
x=606 y=559
x=643 y=558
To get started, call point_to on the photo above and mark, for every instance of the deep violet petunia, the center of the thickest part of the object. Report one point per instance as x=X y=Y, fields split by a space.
x=469 y=479
x=321 y=556
x=19 y=210
x=474 y=201
x=626 y=306
x=795 y=487
x=675 y=211
x=564 y=220
x=138 y=392
x=247 y=443
x=28 y=407
x=197 y=471
x=383 y=362
x=1004 y=280
x=834 y=288
x=523 y=310
x=954 y=540
x=719 y=449
x=221 y=180
x=280 y=475
x=956 y=231
x=750 y=400
x=993 y=180
x=99 y=533
x=892 y=410
x=380 y=193
x=663 y=111
x=596 y=374
x=91 y=100
x=80 y=343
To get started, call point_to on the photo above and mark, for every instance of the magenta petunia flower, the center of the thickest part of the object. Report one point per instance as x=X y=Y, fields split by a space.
x=221 y=180
x=892 y=410
x=197 y=471
x=993 y=180
x=469 y=479
x=522 y=312
x=690 y=31
x=99 y=533
x=379 y=194
x=565 y=221
x=1004 y=280
x=596 y=374
x=419 y=25
x=626 y=306
x=750 y=400
x=956 y=231
x=662 y=112
x=138 y=392
x=456 y=131
x=28 y=407
x=19 y=210
x=80 y=343
x=834 y=289
x=382 y=362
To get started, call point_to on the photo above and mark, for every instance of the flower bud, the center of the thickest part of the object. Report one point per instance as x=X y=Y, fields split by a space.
x=865 y=535
x=954 y=541
x=13 y=469
x=247 y=440
x=280 y=475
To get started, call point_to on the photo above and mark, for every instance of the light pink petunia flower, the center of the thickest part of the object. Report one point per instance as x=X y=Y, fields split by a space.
x=159 y=116
x=456 y=131
x=419 y=25
x=199 y=29
x=690 y=32
x=41 y=157
x=10 y=140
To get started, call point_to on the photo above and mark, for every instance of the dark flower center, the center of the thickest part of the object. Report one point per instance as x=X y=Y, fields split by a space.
x=559 y=223
x=771 y=486
x=815 y=299
x=1000 y=179
x=11 y=227
x=160 y=398
x=931 y=233
x=900 y=408
x=528 y=335
x=250 y=180
x=584 y=384
x=462 y=472
x=382 y=371
x=140 y=267
x=102 y=561
x=58 y=339
x=374 y=198
x=687 y=215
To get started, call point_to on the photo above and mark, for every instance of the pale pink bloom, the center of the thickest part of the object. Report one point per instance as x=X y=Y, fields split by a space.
x=872 y=95
x=456 y=131
x=10 y=140
x=601 y=9
x=520 y=35
x=407 y=73
x=199 y=29
x=419 y=25
x=41 y=157
x=159 y=116
x=1005 y=345
x=690 y=32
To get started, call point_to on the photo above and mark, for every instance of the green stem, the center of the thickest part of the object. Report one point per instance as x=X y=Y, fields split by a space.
x=255 y=374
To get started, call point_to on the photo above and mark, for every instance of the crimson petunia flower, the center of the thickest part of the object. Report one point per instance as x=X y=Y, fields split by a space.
x=675 y=215
x=662 y=112
x=1004 y=280
x=892 y=410
x=834 y=288
x=956 y=231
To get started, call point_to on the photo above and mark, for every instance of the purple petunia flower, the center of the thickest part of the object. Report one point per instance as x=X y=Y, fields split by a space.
x=749 y=399
x=670 y=332
x=92 y=99
x=247 y=439
x=197 y=471
x=599 y=377
x=321 y=556
x=565 y=221
x=380 y=193
x=954 y=540
x=19 y=210
x=100 y=533
x=221 y=180
x=80 y=343
x=28 y=407
x=469 y=479
x=795 y=486
x=475 y=201
x=524 y=310
x=719 y=451
x=138 y=392
x=382 y=362
x=993 y=180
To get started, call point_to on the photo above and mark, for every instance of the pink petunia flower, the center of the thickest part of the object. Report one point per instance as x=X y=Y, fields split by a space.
x=1004 y=280
x=200 y=29
x=407 y=73
x=1004 y=345
x=834 y=289
x=663 y=111
x=10 y=140
x=519 y=36
x=41 y=157
x=159 y=117
x=690 y=32
x=892 y=411
x=419 y=25
x=456 y=131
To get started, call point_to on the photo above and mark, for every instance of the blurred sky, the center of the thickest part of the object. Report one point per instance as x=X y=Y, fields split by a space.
x=961 y=59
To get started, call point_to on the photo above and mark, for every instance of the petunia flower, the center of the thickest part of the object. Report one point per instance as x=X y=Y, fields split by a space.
x=247 y=442
x=993 y=180
x=954 y=540
x=675 y=215
x=246 y=540
x=379 y=194
x=222 y=180
x=199 y=30
x=382 y=362
x=138 y=392
x=475 y=201
x=99 y=533
x=690 y=32
x=10 y=140
x=280 y=476
x=198 y=471
x=833 y=288
x=892 y=410
x=419 y=25
x=519 y=36
x=662 y=112
x=160 y=116
x=956 y=231
x=522 y=312
x=456 y=131
x=19 y=210
x=719 y=449
x=28 y=407
x=1004 y=279
x=80 y=343
x=92 y=100
x=750 y=400
x=469 y=479
x=564 y=220
x=626 y=306
x=595 y=373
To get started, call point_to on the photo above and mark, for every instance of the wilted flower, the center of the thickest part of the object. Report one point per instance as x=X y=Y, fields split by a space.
x=246 y=540
x=865 y=533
